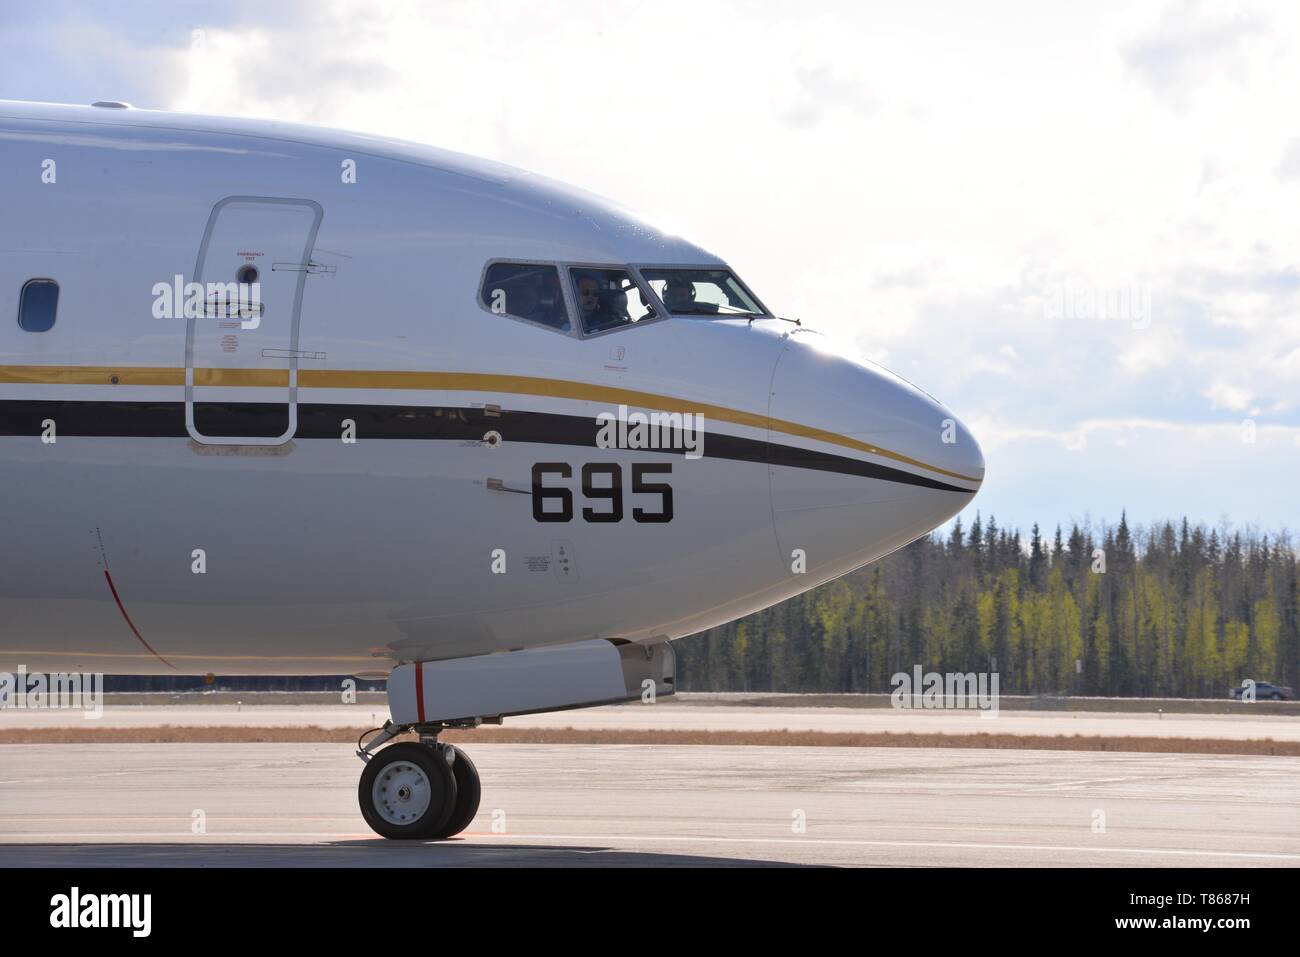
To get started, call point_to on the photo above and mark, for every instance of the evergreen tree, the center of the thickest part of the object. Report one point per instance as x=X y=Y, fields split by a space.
x=1174 y=609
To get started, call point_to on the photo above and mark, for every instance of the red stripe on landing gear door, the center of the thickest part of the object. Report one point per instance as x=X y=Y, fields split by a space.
x=419 y=690
x=131 y=624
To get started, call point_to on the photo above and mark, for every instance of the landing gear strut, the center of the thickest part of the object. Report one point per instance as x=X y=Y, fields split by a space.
x=423 y=791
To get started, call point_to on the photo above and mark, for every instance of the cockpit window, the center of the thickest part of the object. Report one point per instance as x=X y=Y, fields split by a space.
x=608 y=299
x=526 y=291
x=702 y=292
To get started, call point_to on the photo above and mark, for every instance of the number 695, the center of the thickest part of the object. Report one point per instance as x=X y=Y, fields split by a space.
x=601 y=482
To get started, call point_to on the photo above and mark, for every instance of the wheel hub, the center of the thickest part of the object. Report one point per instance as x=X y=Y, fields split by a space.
x=402 y=793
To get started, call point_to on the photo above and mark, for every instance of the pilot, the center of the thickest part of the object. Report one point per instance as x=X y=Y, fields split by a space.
x=679 y=294
x=588 y=297
x=597 y=315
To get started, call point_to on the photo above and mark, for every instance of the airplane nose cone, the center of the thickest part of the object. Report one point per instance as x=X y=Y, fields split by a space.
x=861 y=462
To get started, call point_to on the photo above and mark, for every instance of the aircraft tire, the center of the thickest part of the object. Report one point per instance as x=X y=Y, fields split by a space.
x=468 y=792
x=407 y=791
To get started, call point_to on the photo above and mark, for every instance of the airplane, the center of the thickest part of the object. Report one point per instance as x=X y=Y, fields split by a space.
x=280 y=400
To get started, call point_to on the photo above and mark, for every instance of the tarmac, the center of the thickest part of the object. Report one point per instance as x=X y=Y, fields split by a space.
x=119 y=805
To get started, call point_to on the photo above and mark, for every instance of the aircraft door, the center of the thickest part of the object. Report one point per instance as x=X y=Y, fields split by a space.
x=241 y=353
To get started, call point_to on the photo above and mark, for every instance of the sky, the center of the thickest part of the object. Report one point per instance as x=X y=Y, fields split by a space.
x=1077 y=225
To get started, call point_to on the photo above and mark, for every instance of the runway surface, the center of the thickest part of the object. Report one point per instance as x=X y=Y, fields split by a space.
x=604 y=805
x=668 y=714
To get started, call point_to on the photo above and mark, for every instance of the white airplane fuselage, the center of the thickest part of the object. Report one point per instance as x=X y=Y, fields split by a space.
x=351 y=482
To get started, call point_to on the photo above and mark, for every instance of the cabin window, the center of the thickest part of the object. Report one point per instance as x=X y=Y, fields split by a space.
x=701 y=292
x=529 y=291
x=608 y=299
x=38 y=304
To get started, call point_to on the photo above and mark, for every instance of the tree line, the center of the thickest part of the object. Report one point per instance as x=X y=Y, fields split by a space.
x=1166 y=610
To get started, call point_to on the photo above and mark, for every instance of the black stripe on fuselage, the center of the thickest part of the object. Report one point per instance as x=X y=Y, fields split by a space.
x=142 y=419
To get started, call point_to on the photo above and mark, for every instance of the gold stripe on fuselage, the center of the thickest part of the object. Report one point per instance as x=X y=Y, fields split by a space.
x=91 y=375
x=142 y=375
x=244 y=378
x=442 y=382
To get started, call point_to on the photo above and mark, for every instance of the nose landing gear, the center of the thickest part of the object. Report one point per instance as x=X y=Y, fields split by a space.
x=431 y=790
x=424 y=791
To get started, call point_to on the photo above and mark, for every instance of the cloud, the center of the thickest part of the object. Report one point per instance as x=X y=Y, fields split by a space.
x=1154 y=469
x=1147 y=353
x=821 y=90
x=1225 y=396
x=1288 y=169
x=247 y=69
x=1192 y=43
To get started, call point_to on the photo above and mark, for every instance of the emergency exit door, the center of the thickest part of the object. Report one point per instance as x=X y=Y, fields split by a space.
x=241 y=352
